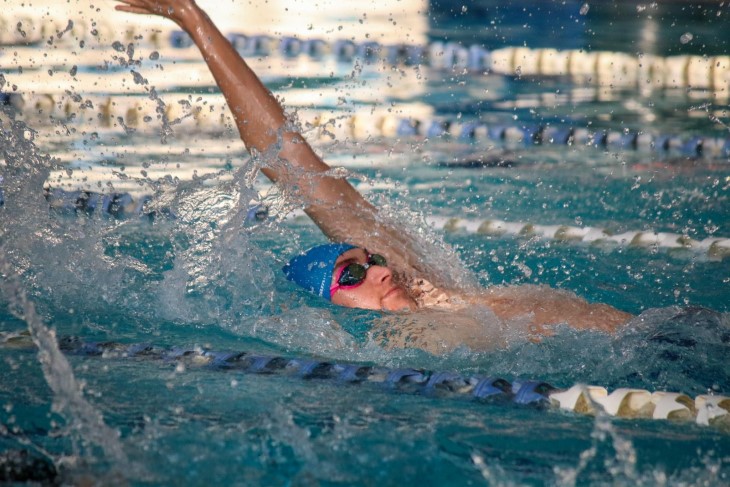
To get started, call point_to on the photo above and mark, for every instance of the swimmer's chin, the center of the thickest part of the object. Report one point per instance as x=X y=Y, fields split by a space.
x=397 y=300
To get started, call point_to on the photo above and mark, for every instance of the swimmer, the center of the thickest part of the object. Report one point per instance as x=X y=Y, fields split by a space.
x=353 y=277
x=371 y=265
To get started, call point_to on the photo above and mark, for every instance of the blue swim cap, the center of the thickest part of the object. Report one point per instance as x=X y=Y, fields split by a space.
x=313 y=269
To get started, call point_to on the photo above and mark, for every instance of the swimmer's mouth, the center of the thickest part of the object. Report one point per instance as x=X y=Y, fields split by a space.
x=395 y=289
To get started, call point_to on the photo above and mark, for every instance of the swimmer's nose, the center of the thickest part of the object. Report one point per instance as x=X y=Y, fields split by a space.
x=379 y=274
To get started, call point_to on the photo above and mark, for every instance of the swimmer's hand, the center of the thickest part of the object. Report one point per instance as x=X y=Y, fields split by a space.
x=176 y=10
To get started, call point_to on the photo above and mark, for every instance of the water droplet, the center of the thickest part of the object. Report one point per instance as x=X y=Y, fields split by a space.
x=686 y=37
x=463 y=9
x=138 y=78
x=584 y=9
x=154 y=56
x=118 y=46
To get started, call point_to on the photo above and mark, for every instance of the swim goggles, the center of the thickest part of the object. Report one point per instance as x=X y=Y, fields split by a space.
x=352 y=275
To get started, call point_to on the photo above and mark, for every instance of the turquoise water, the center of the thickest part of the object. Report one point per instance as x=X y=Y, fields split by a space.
x=200 y=274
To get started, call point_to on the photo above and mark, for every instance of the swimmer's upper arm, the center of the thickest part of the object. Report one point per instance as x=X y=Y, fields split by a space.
x=339 y=210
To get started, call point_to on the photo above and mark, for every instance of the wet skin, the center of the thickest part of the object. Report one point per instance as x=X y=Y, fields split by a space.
x=378 y=291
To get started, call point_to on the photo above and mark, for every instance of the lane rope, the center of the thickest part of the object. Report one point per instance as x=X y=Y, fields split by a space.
x=601 y=67
x=633 y=403
x=210 y=112
x=127 y=205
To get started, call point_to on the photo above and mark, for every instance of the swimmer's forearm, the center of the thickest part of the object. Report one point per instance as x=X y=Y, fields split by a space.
x=257 y=113
x=260 y=118
x=334 y=205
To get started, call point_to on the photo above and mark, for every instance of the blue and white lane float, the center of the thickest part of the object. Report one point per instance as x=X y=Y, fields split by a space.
x=127 y=205
x=603 y=67
x=142 y=114
x=585 y=399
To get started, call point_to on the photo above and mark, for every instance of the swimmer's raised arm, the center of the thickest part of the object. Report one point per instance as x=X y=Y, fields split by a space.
x=334 y=204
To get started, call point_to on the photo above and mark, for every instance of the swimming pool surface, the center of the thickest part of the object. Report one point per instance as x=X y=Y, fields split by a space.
x=193 y=268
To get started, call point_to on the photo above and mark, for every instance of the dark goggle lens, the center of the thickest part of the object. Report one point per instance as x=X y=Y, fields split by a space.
x=352 y=274
x=377 y=259
x=355 y=273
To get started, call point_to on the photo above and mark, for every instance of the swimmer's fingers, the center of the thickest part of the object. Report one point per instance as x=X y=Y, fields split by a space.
x=134 y=7
x=172 y=9
x=132 y=10
x=133 y=4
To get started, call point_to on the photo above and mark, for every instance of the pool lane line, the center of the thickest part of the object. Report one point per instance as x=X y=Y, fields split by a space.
x=128 y=205
x=604 y=68
x=141 y=114
x=584 y=399
x=712 y=247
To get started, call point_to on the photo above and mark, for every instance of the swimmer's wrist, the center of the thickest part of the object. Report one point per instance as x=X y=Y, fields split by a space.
x=192 y=17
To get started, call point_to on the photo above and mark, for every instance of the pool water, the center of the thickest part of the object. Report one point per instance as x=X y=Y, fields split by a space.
x=196 y=270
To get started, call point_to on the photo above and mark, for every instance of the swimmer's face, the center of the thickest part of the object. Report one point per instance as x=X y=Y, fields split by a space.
x=377 y=291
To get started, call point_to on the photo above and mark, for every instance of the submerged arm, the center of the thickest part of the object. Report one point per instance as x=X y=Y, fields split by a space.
x=334 y=205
